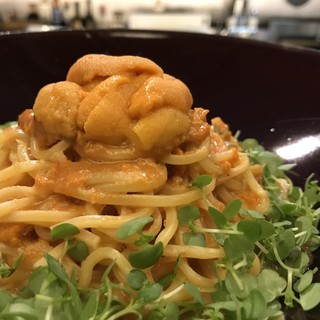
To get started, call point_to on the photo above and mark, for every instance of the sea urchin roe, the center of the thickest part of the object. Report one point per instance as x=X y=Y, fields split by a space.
x=109 y=104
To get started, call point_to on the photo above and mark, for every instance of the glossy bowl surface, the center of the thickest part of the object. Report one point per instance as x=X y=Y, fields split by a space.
x=266 y=91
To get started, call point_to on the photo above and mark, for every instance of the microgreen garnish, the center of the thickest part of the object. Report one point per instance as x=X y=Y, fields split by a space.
x=5 y=270
x=134 y=226
x=194 y=239
x=201 y=181
x=147 y=256
x=78 y=250
x=136 y=279
x=8 y=124
x=63 y=231
x=188 y=214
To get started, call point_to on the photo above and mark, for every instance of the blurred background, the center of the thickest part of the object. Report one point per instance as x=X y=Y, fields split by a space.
x=292 y=22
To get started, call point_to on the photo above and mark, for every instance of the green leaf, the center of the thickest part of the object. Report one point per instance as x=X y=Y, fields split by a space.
x=194 y=239
x=219 y=219
x=288 y=208
x=201 y=181
x=147 y=256
x=194 y=292
x=224 y=305
x=305 y=227
x=150 y=292
x=136 y=279
x=304 y=281
x=251 y=213
x=312 y=191
x=133 y=226
x=254 y=305
x=75 y=297
x=267 y=229
x=285 y=243
x=156 y=314
x=188 y=214
x=56 y=268
x=250 y=144
x=21 y=311
x=310 y=297
x=237 y=245
x=283 y=249
x=144 y=239
x=64 y=231
x=172 y=311
x=166 y=280
x=232 y=209
x=39 y=278
x=17 y=262
x=272 y=161
x=287 y=166
x=79 y=251
x=270 y=284
x=297 y=259
x=90 y=309
x=252 y=229
x=5 y=299
x=8 y=124
x=240 y=284
x=5 y=270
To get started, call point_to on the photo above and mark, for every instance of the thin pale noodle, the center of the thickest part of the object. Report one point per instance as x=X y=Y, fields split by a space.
x=57 y=252
x=143 y=200
x=97 y=256
x=214 y=202
x=224 y=155
x=189 y=157
x=156 y=225
x=92 y=240
x=10 y=206
x=153 y=230
x=209 y=166
x=12 y=134
x=39 y=217
x=105 y=222
x=16 y=192
x=22 y=151
x=174 y=189
x=194 y=277
x=224 y=195
x=55 y=153
x=172 y=250
x=234 y=184
x=106 y=240
x=253 y=183
x=43 y=232
x=257 y=188
x=257 y=169
x=243 y=166
x=18 y=168
x=171 y=224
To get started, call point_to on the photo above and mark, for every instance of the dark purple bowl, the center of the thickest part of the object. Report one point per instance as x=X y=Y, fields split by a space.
x=266 y=91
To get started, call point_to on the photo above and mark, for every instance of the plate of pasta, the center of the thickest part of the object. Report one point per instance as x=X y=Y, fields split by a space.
x=124 y=197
